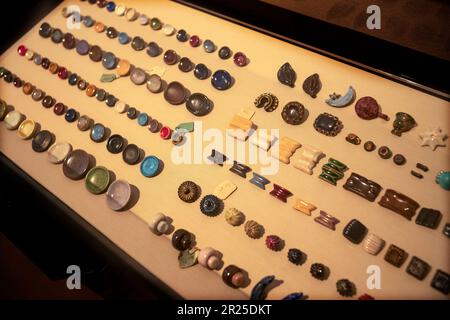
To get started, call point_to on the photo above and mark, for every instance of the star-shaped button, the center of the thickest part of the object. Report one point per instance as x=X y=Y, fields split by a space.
x=433 y=138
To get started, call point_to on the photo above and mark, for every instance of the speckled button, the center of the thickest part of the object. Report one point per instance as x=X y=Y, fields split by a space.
x=13 y=120
x=98 y=132
x=27 y=129
x=118 y=195
x=131 y=154
x=76 y=164
x=42 y=141
x=138 y=76
x=97 y=180
x=150 y=166
x=115 y=144
x=58 y=152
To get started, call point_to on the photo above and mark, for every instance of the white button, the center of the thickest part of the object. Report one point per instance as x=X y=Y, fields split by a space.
x=12 y=120
x=168 y=29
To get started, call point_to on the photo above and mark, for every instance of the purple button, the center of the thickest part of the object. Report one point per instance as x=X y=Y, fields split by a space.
x=83 y=47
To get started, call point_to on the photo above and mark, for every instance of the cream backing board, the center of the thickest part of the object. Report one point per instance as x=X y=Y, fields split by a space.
x=159 y=194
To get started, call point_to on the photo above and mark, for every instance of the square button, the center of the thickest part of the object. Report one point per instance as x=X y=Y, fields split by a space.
x=441 y=282
x=418 y=268
x=395 y=256
x=429 y=218
x=355 y=231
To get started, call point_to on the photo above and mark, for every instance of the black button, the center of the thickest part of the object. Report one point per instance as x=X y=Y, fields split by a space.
x=131 y=154
x=115 y=143
x=42 y=141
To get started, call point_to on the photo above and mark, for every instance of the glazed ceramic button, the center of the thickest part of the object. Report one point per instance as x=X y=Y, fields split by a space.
x=120 y=9
x=153 y=49
x=221 y=80
x=100 y=95
x=68 y=41
x=97 y=180
x=123 y=67
x=153 y=126
x=111 y=6
x=58 y=152
x=209 y=46
x=182 y=35
x=111 y=32
x=110 y=100
x=198 y=104
x=118 y=195
x=150 y=166
x=76 y=164
x=121 y=107
x=154 y=83
x=170 y=57
x=45 y=30
x=123 y=38
x=22 y=50
x=73 y=79
x=13 y=120
x=91 y=90
x=84 y=123
x=59 y=109
x=131 y=154
x=138 y=43
x=53 y=68
x=95 y=53
x=27 y=88
x=17 y=82
x=175 y=93
x=48 y=102
x=88 y=21
x=131 y=14
x=37 y=94
x=185 y=64
x=63 y=73
x=71 y=115
x=42 y=141
x=240 y=59
x=37 y=59
x=224 y=53
x=27 y=129
x=109 y=61
x=201 y=71
x=99 y=27
x=168 y=30
x=115 y=144
x=82 y=47
x=155 y=24
x=29 y=54
x=57 y=36
x=98 y=132
x=138 y=76
x=194 y=41
x=132 y=113
x=82 y=84
x=3 y=109
x=143 y=119
x=165 y=133
x=143 y=19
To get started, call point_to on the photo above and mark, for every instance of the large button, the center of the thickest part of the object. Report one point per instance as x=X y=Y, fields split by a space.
x=84 y=123
x=150 y=166
x=82 y=47
x=42 y=141
x=198 y=104
x=115 y=144
x=221 y=80
x=58 y=152
x=95 y=53
x=131 y=154
x=118 y=195
x=109 y=60
x=76 y=165
x=138 y=76
x=98 y=132
x=27 y=129
x=175 y=93
x=97 y=180
x=13 y=120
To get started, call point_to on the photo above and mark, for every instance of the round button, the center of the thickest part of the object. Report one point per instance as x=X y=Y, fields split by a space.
x=185 y=64
x=153 y=49
x=168 y=30
x=59 y=109
x=68 y=41
x=175 y=93
x=153 y=126
x=57 y=36
x=27 y=129
x=111 y=32
x=150 y=166
x=138 y=43
x=198 y=104
x=240 y=59
x=123 y=38
x=155 y=24
x=27 y=88
x=138 y=76
x=115 y=144
x=97 y=180
x=37 y=94
x=98 y=132
x=154 y=83
x=48 y=102
x=131 y=154
x=3 y=109
x=120 y=9
x=123 y=67
x=82 y=47
x=209 y=46
x=58 y=152
x=91 y=90
x=88 y=21
x=224 y=53
x=13 y=120
x=84 y=123
x=71 y=115
x=53 y=68
x=100 y=95
x=110 y=100
x=45 y=30
x=170 y=57
x=42 y=141
x=121 y=107
x=132 y=113
x=182 y=35
x=95 y=53
x=201 y=71
x=221 y=80
x=109 y=60
x=99 y=27
x=76 y=164
x=143 y=119
x=118 y=195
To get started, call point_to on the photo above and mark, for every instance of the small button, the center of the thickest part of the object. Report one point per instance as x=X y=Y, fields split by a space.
x=138 y=43
x=109 y=61
x=13 y=120
x=95 y=53
x=84 y=123
x=57 y=36
x=27 y=129
x=42 y=141
x=99 y=27
x=153 y=49
x=224 y=53
x=98 y=132
x=115 y=144
x=82 y=47
x=201 y=71
x=111 y=32
x=182 y=35
x=68 y=41
x=59 y=109
x=123 y=67
x=138 y=76
x=71 y=115
x=143 y=119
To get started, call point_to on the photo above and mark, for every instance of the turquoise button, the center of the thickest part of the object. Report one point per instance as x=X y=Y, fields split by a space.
x=150 y=166
x=142 y=119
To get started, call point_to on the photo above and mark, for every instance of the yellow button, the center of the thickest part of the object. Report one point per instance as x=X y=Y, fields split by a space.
x=120 y=9
x=27 y=129
x=13 y=119
x=123 y=67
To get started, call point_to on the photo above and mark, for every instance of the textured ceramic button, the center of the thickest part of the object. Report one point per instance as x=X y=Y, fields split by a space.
x=253 y=229
x=286 y=75
x=97 y=180
x=13 y=119
x=27 y=129
x=58 y=152
x=76 y=165
x=240 y=59
x=170 y=57
x=211 y=205
x=399 y=203
x=123 y=67
x=57 y=35
x=182 y=35
x=45 y=30
x=111 y=32
x=268 y=101
x=274 y=243
x=395 y=256
x=153 y=49
x=138 y=76
x=373 y=244
x=328 y=124
x=84 y=123
x=95 y=53
x=355 y=231
x=295 y=256
x=98 y=132
x=109 y=61
x=175 y=93
x=234 y=217
x=441 y=282
x=185 y=64
x=154 y=83
x=209 y=46
x=138 y=43
x=221 y=80
x=234 y=276
x=155 y=24
x=131 y=154
x=201 y=71
x=319 y=271
x=293 y=113
x=118 y=195
x=168 y=30
x=150 y=166
x=418 y=268
x=194 y=41
x=198 y=104
x=42 y=141
x=68 y=41
x=345 y=288
x=71 y=115
x=188 y=191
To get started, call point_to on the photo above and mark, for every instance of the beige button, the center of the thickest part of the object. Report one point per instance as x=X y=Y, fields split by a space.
x=304 y=207
x=58 y=152
x=121 y=107
x=27 y=129
x=120 y=9
x=123 y=67
x=168 y=29
x=29 y=54
x=13 y=119
x=131 y=14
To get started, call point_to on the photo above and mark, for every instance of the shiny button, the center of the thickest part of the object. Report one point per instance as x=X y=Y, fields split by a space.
x=98 y=132
x=115 y=144
x=42 y=141
x=153 y=49
x=76 y=164
x=97 y=180
x=71 y=115
x=95 y=53
x=118 y=195
x=84 y=123
x=221 y=80
x=82 y=47
x=57 y=36
x=68 y=41
x=131 y=154
x=138 y=43
x=150 y=166
x=138 y=76
x=109 y=61
x=27 y=129
x=201 y=71
x=143 y=119
x=123 y=38
x=58 y=152
x=123 y=67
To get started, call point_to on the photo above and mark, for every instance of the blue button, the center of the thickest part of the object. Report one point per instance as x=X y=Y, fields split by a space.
x=209 y=46
x=201 y=71
x=109 y=60
x=221 y=80
x=123 y=38
x=150 y=166
x=111 y=6
x=82 y=47
x=98 y=132
x=71 y=115
x=88 y=21
x=142 y=119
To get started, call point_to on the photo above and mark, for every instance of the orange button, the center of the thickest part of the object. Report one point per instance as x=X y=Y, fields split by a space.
x=90 y=90
x=123 y=67
x=99 y=27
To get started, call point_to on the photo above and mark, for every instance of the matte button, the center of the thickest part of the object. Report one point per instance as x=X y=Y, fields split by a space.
x=76 y=165
x=150 y=166
x=209 y=46
x=115 y=144
x=98 y=132
x=155 y=24
x=58 y=152
x=95 y=53
x=37 y=59
x=118 y=195
x=131 y=154
x=97 y=180
x=109 y=60
x=42 y=141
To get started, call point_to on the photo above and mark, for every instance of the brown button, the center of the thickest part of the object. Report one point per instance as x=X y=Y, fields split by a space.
x=123 y=67
x=95 y=53
x=99 y=27
x=76 y=164
x=90 y=90
x=68 y=41
x=27 y=88
x=53 y=68
x=175 y=93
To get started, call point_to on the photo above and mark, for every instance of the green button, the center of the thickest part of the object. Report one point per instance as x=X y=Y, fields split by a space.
x=97 y=180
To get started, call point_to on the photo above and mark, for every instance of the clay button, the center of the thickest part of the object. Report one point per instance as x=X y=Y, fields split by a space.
x=115 y=144
x=42 y=141
x=175 y=93
x=131 y=154
x=97 y=180
x=76 y=164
